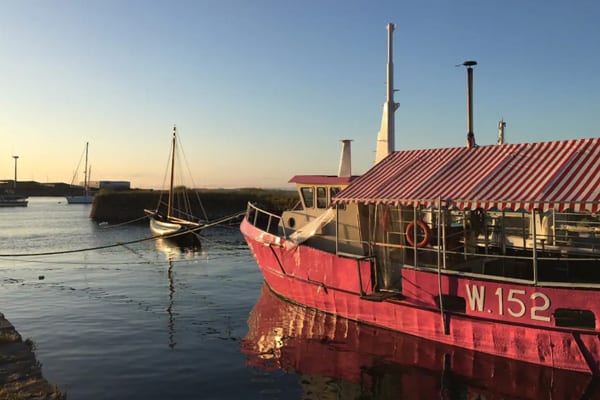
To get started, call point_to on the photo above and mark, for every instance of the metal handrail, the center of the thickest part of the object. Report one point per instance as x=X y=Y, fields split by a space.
x=253 y=213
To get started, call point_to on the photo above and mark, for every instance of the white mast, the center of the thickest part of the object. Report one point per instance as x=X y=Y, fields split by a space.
x=170 y=201
x=385 y=138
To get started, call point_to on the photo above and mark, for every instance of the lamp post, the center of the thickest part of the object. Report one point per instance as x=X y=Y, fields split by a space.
x=16 y=158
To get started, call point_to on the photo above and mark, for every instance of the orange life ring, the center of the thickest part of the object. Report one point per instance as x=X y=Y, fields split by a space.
x=410 y=233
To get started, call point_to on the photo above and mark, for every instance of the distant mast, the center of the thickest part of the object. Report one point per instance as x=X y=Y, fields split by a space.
x=85 y=172
x=385 y=138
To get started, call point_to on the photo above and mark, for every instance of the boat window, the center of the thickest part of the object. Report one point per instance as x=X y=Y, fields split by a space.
x=307 y=196
x=321 y=197
x=333 y=191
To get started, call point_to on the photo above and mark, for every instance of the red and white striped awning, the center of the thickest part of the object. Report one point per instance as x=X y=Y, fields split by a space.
x=564 y=175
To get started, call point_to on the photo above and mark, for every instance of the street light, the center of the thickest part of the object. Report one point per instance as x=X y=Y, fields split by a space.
x=16 y=158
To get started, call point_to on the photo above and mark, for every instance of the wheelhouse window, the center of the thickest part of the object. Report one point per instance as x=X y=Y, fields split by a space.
x=333 y=191
x=307 y=196
x=321 y=197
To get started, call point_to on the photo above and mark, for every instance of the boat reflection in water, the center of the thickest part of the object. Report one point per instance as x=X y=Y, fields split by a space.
x=176 y=250
x=173 y=252
x=350 y=361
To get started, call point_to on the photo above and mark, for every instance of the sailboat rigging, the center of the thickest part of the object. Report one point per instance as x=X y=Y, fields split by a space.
x=173 y=223
x=86 y=197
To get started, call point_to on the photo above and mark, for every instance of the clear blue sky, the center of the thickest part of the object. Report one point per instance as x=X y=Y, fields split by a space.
x=263 y=90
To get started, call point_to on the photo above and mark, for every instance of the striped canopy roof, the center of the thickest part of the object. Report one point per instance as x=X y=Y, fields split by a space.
x=561 y=175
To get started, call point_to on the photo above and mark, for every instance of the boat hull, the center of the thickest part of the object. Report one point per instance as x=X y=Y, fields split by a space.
x=13 y=200
x=181 y=234
x=342 y=286
x=13 y=203
x=83 y=199
x=163 y=228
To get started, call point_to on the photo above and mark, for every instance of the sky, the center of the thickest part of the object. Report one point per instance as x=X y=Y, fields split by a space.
x=263 y=90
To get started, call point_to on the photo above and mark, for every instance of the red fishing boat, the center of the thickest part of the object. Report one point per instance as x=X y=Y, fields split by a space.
x=491 y=248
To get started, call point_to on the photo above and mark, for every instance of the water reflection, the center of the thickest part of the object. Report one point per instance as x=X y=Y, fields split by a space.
x=176 y=250
x=337 y=358
x=171 y=324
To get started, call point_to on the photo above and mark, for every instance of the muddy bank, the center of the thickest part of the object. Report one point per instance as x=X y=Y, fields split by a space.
x=20 y=372
x=122 y=206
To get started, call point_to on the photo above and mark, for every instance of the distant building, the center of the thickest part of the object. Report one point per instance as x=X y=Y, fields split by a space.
x=114 y=185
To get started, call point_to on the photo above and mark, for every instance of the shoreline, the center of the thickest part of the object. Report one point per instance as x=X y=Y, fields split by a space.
x=129 y=205
x=20 y=372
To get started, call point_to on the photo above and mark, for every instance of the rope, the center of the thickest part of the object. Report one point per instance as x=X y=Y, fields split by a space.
x=209 y=225
x=124 y=223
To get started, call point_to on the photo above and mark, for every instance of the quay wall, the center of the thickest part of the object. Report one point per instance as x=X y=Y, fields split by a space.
x=129 y=205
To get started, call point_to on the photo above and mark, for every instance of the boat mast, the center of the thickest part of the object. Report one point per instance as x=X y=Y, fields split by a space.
x=85 y=171
x=385 y=138
x=170 y=203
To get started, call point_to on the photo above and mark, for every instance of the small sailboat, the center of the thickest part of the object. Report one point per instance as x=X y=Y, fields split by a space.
x=176 y=224
x=86 y=197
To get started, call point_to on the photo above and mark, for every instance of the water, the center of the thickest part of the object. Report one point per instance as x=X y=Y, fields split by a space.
x=147 y=321
x=121 y=322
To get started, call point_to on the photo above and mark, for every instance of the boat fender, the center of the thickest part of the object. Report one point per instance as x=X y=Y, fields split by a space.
x=411 y=236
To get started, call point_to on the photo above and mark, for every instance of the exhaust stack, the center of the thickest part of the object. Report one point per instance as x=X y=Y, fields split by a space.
x=345 y=170
x=385 y=138
x=470 y=135
x=501 y=126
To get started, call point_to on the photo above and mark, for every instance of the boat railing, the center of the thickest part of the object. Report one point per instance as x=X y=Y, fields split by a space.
x=537 y=247
x=324 y=237
x=263 y=220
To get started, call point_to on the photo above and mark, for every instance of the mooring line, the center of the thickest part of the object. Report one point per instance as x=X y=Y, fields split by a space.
x=107 y=246
x=123 y=223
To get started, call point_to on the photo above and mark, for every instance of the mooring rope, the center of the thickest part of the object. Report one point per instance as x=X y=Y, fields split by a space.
x=124 y=223
x=107 y=246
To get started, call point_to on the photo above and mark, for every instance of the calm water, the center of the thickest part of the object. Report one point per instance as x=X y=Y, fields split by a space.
x=147 y=321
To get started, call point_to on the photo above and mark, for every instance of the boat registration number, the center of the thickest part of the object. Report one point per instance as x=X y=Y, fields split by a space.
x=514 y=302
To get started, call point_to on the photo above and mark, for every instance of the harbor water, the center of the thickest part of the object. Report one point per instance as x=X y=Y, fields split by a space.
x=113 y=316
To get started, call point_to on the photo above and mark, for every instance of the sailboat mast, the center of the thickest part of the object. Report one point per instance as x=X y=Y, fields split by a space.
x=170 y=203
x=85 y=172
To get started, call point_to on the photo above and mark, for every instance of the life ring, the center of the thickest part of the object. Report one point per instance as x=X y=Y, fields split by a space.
x=410 y=233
